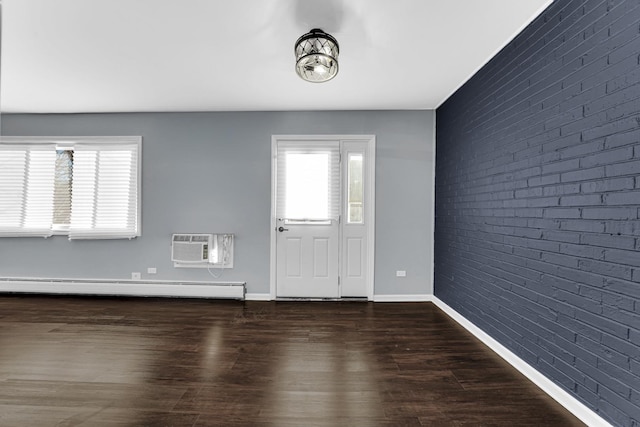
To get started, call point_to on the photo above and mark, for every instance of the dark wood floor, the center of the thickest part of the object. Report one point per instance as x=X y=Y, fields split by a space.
x=171 y=362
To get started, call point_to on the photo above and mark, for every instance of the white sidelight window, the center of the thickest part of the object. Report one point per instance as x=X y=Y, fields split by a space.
x=86 y=187
x=355 y=189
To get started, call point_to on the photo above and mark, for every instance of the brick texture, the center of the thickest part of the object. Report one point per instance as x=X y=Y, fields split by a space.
x=538 y=201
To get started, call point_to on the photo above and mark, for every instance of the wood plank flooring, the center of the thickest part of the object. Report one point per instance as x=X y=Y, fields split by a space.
x=72 y=361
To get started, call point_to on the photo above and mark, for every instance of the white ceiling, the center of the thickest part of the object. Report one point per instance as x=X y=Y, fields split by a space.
x=212 y=55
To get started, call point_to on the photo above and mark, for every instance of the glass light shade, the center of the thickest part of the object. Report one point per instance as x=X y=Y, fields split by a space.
x=317 y=56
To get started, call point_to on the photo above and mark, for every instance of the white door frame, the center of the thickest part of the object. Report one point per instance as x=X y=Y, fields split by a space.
x=370 y=173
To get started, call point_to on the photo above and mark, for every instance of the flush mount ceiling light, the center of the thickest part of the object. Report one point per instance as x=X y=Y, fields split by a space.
x=317 y=56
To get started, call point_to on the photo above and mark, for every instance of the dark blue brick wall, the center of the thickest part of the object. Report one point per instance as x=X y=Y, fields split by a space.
x=538 y=200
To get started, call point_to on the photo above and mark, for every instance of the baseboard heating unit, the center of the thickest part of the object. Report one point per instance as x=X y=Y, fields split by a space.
x=141 y=288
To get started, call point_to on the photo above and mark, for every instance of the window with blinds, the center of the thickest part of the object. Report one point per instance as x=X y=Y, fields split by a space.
x=86 y=188
x=27 y=179
x=308 y=180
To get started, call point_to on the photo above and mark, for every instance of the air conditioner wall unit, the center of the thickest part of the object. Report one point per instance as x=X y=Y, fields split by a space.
x=191 y=247
x=202 y=250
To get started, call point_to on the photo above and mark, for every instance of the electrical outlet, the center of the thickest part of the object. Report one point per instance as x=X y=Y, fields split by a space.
x=401 y=273
x=152 y=270
x=136 y=275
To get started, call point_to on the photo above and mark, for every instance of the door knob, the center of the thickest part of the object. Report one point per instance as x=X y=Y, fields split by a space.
x=281 y=229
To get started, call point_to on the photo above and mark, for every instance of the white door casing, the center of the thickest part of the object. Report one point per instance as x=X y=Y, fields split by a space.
x=329 y=255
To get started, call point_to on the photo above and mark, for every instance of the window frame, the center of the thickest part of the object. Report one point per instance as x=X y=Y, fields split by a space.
x=68 y=143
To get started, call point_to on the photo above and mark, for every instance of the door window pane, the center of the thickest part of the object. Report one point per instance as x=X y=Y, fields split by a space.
x=307 y=185
x=354 y=196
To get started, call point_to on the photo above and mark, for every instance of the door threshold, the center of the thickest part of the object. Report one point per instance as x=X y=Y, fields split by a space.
x=302 y=299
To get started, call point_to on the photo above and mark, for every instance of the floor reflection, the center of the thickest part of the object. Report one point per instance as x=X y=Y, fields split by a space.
x=212 y=346
x=322 y=380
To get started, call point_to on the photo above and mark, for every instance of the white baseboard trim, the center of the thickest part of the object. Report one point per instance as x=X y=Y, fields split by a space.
x=151 y=288
x=257 y=297
x=403 y=298
x=376 y=298
x=574 y=406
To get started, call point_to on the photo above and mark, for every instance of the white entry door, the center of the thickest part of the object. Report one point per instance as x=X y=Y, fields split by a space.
x=308 y=219
x=323 y=216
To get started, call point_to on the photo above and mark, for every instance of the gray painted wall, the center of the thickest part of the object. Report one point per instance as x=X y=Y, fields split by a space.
x=211 y=172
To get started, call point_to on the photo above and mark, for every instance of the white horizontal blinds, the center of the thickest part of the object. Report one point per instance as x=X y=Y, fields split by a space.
x=308 y=180
x=105 y=191
x=26 y=189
